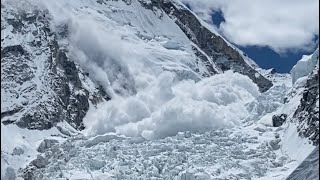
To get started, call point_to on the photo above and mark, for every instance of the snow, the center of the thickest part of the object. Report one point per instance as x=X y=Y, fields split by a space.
x=164 y=120
x=305 y=66
x=168 y=107
x=14 y=137
x=309 y=168
x=221 y=153
x=295 y=146
x=171 y=45
x=146 y=97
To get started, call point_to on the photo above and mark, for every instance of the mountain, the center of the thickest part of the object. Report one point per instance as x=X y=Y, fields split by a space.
x=143 y=89
x=54 y=81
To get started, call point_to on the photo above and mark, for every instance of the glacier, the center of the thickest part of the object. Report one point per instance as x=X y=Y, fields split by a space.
x=142 y=89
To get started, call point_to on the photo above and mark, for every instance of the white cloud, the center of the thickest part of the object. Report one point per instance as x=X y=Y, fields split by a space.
x=282 y=25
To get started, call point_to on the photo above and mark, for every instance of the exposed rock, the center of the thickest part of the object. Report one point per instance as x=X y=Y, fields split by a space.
x=52 y=90
x=307 y=112
x=215 y=47
x=28 y=172
x=273 y=71
x=222 y=54
x=15 y=50
x=205 y=61
x=6 y=122
x=278 y=120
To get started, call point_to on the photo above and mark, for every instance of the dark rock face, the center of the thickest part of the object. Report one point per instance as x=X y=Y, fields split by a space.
x=12 y=50
x=220 y=53
x=76 y=105
x=223 y=55
x=273 y=71
x=203 y=59
x=41 y=77
x=278 y=120
x=307 y=112
x=10 y=112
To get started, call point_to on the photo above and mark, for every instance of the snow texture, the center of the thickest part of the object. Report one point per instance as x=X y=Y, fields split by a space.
x=164 y=120
x=166 y=107
x=305 y=66
x=308 y=169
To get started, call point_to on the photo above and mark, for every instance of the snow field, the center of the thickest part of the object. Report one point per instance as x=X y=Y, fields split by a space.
x=218 y=154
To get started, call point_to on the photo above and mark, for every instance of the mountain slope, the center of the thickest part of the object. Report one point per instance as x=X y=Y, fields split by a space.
x=155 y=91
x=308 y=169
x=40 y=85
x=61 y=55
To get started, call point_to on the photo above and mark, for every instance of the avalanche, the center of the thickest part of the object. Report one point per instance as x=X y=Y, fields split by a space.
x=170 y=106
x=169 y=114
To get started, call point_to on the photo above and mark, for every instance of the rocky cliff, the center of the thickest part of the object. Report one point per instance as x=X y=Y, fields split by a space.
x=40 y=84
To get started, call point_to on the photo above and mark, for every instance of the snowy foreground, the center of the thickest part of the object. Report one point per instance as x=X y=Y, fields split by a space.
x=252 y=150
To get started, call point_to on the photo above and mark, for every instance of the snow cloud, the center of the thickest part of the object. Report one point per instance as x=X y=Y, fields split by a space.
x=281 y=25
x=96 y=46
x=166 y=108
x=162 y=103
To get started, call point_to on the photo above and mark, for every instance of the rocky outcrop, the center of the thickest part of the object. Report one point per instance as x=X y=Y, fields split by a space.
x=221 y=53
x=41 y=85
x=307 y=112
x=278 y=120
x=222 y=56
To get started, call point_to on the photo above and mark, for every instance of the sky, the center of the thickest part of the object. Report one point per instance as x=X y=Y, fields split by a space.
x=275 y=34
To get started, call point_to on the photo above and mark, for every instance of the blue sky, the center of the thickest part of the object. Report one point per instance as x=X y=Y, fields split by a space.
x=275 y=34
x=265 y=57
